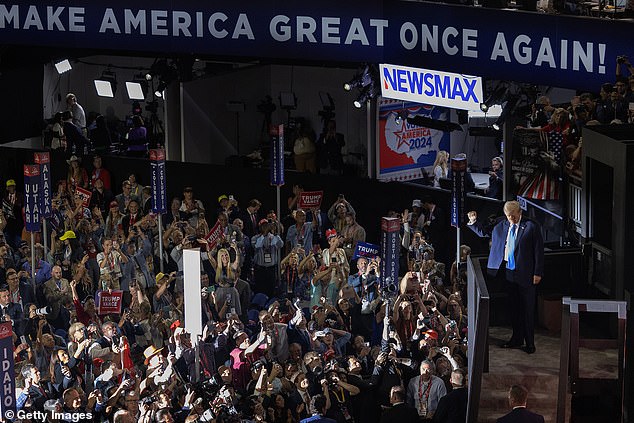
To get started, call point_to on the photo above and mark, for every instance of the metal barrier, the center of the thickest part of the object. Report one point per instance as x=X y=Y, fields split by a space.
x=570 y=343
x=478 y=335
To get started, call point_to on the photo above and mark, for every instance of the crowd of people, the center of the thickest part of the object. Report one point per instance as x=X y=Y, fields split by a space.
x=295 y=323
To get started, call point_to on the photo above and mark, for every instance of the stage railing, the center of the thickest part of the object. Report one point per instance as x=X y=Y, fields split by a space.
x=478 y=335
x=569 y=378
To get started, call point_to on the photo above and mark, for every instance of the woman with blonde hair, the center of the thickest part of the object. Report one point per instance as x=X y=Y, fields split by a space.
x=223 y=266
x=441 y=167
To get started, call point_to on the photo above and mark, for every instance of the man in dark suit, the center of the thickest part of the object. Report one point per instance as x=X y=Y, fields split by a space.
x=435 y=228
x=20 y=292
x=517 y=401
x=318 y=409
x=401 y=411
x=517 y=255
x=250 y=218
x=11 y=312
x=452 y=408
x=134 y=216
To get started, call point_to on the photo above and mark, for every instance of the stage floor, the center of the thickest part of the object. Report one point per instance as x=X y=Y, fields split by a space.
x=539 y=372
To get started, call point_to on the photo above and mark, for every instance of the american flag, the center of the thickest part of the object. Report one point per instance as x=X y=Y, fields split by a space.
x=543 y=185
x=554 y=141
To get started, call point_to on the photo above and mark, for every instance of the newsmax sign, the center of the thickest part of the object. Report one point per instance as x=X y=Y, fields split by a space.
x=431 y=87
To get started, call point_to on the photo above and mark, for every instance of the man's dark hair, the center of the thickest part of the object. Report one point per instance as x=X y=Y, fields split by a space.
x=254 y=203
x=399 y=392
x=318 y=404
x=518 y=395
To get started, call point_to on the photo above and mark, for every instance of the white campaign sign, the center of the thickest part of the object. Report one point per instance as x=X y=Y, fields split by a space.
x=431 y=87
x=193 y=303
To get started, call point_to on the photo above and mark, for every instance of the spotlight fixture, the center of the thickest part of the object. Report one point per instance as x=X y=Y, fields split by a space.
x=106 y=85
x=368 y=93
x=496 y=97
x=507 y=109
x=149 y=76
x=400 y=117
x=360 y=80
x=63 y=66
x=159 y=90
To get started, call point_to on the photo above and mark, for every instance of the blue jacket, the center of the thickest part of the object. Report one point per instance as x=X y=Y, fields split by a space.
x=529 y=250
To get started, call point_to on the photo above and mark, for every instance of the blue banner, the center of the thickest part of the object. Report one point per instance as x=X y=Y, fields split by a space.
x=159 y=195
x=365 y=249
x=277 y=155
x=44 y=160
x=555 y=50
x=7 y=373
x=32 y=213
x=390 y=250
x=458 y=170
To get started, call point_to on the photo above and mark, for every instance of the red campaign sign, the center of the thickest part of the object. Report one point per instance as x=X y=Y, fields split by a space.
x=6 y=330
x=156 y=155
x=110 y=302
x=31 y=170
x=310 y=199
x=84 y=194
x=214 y=235
x=42 y=158
x=390 y=224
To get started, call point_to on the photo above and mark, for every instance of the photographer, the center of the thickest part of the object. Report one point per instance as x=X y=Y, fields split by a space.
x=340 y=393
x=541 y=112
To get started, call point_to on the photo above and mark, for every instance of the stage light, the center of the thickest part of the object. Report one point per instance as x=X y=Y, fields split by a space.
x=498 y=96
x=368 y=93
x=360 y=80
x=104 y=88
x=63 y=66
x=507 y=108
x=159 y=90
x=135 y=91
x=400 y=117
x=137 y=88
x=106 y=85
x=149 y=76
